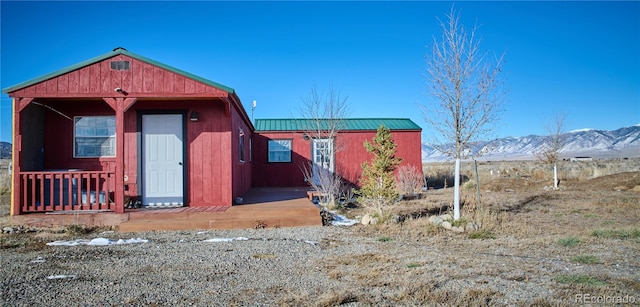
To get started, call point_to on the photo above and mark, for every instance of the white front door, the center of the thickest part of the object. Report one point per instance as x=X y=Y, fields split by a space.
x=162 y=162
x=322 y=155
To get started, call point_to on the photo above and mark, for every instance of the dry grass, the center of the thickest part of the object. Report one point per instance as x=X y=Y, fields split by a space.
x=528 y=236
x=5 y=189
x=534 y=170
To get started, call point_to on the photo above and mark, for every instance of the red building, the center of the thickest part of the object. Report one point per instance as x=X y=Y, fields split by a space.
x=283 y=147
x=121 y=127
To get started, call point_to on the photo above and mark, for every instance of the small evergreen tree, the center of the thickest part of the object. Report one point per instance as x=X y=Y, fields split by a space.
x=378 y=187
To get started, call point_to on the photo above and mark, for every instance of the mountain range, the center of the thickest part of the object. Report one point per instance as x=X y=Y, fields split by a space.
x=619 y=143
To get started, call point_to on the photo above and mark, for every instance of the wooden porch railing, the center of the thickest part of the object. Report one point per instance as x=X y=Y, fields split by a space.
x=46 y=191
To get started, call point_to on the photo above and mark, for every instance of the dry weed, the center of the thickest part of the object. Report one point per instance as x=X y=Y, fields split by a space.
x=293 y=298
x=429 y=292
x=336 y=298
x=5 y=192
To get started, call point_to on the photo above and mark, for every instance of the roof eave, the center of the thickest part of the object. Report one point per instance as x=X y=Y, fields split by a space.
x=60 y=71
x=178 y=71
x=111 y=54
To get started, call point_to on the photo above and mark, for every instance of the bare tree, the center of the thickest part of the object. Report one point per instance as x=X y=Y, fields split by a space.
x=467 y=91
x=323 y=116
x=553 y=144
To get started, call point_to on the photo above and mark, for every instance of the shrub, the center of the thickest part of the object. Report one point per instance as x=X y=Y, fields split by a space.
x=616 y=233
x=569 y=241
x=469 y=185
x=580 y=279
x=482 y=234
x=409 y=180
x=585 y=259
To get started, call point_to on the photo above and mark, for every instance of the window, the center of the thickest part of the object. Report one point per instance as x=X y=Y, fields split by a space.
x=94 y=136
x=120 y=65
x=241 y=146
x=279 y=150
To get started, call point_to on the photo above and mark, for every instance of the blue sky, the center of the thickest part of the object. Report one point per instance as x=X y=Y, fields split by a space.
x=578 y=58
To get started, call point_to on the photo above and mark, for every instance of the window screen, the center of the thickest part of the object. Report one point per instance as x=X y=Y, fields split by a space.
x=279 y=150
x=94 y=136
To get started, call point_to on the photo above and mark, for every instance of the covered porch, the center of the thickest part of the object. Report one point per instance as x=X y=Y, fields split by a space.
x=68 y=155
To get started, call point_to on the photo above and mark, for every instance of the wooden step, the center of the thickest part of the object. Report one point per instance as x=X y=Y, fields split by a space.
x=277 y=214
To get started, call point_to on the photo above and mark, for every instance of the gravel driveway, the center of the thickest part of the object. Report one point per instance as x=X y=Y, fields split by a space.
x=315 y=266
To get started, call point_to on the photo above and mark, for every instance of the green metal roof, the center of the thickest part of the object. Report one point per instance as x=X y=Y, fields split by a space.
x=347 y=124
x=111 y=54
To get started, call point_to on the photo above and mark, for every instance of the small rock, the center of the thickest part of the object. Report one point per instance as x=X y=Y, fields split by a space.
x=436 y=220
x=327 y=217
x=446 y=217
x=636 y=188
x=446 y=225
x=457 y=229
x=620 y=188
x=7 y=229
x=366 y=219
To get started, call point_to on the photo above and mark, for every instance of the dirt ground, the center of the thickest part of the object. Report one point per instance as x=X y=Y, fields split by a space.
x=535 y=246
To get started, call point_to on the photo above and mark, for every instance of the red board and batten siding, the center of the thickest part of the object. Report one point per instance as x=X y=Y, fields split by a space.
x=99 y=80
x=348 y=159
x=209 y=151
x=241 y=170
x=206 y=144
x=280 y=174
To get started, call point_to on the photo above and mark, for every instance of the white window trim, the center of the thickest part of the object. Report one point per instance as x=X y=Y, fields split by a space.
x=75 y=137
x=241 y=141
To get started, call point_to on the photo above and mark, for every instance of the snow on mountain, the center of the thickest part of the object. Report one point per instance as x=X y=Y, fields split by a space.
x=620 y=143
x=581 y=130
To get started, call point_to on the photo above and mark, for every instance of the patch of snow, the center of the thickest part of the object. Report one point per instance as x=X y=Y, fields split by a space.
x=97 y=242
x=311 y=242
x=216 y=240
x=38 y=260
x=341 y=220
